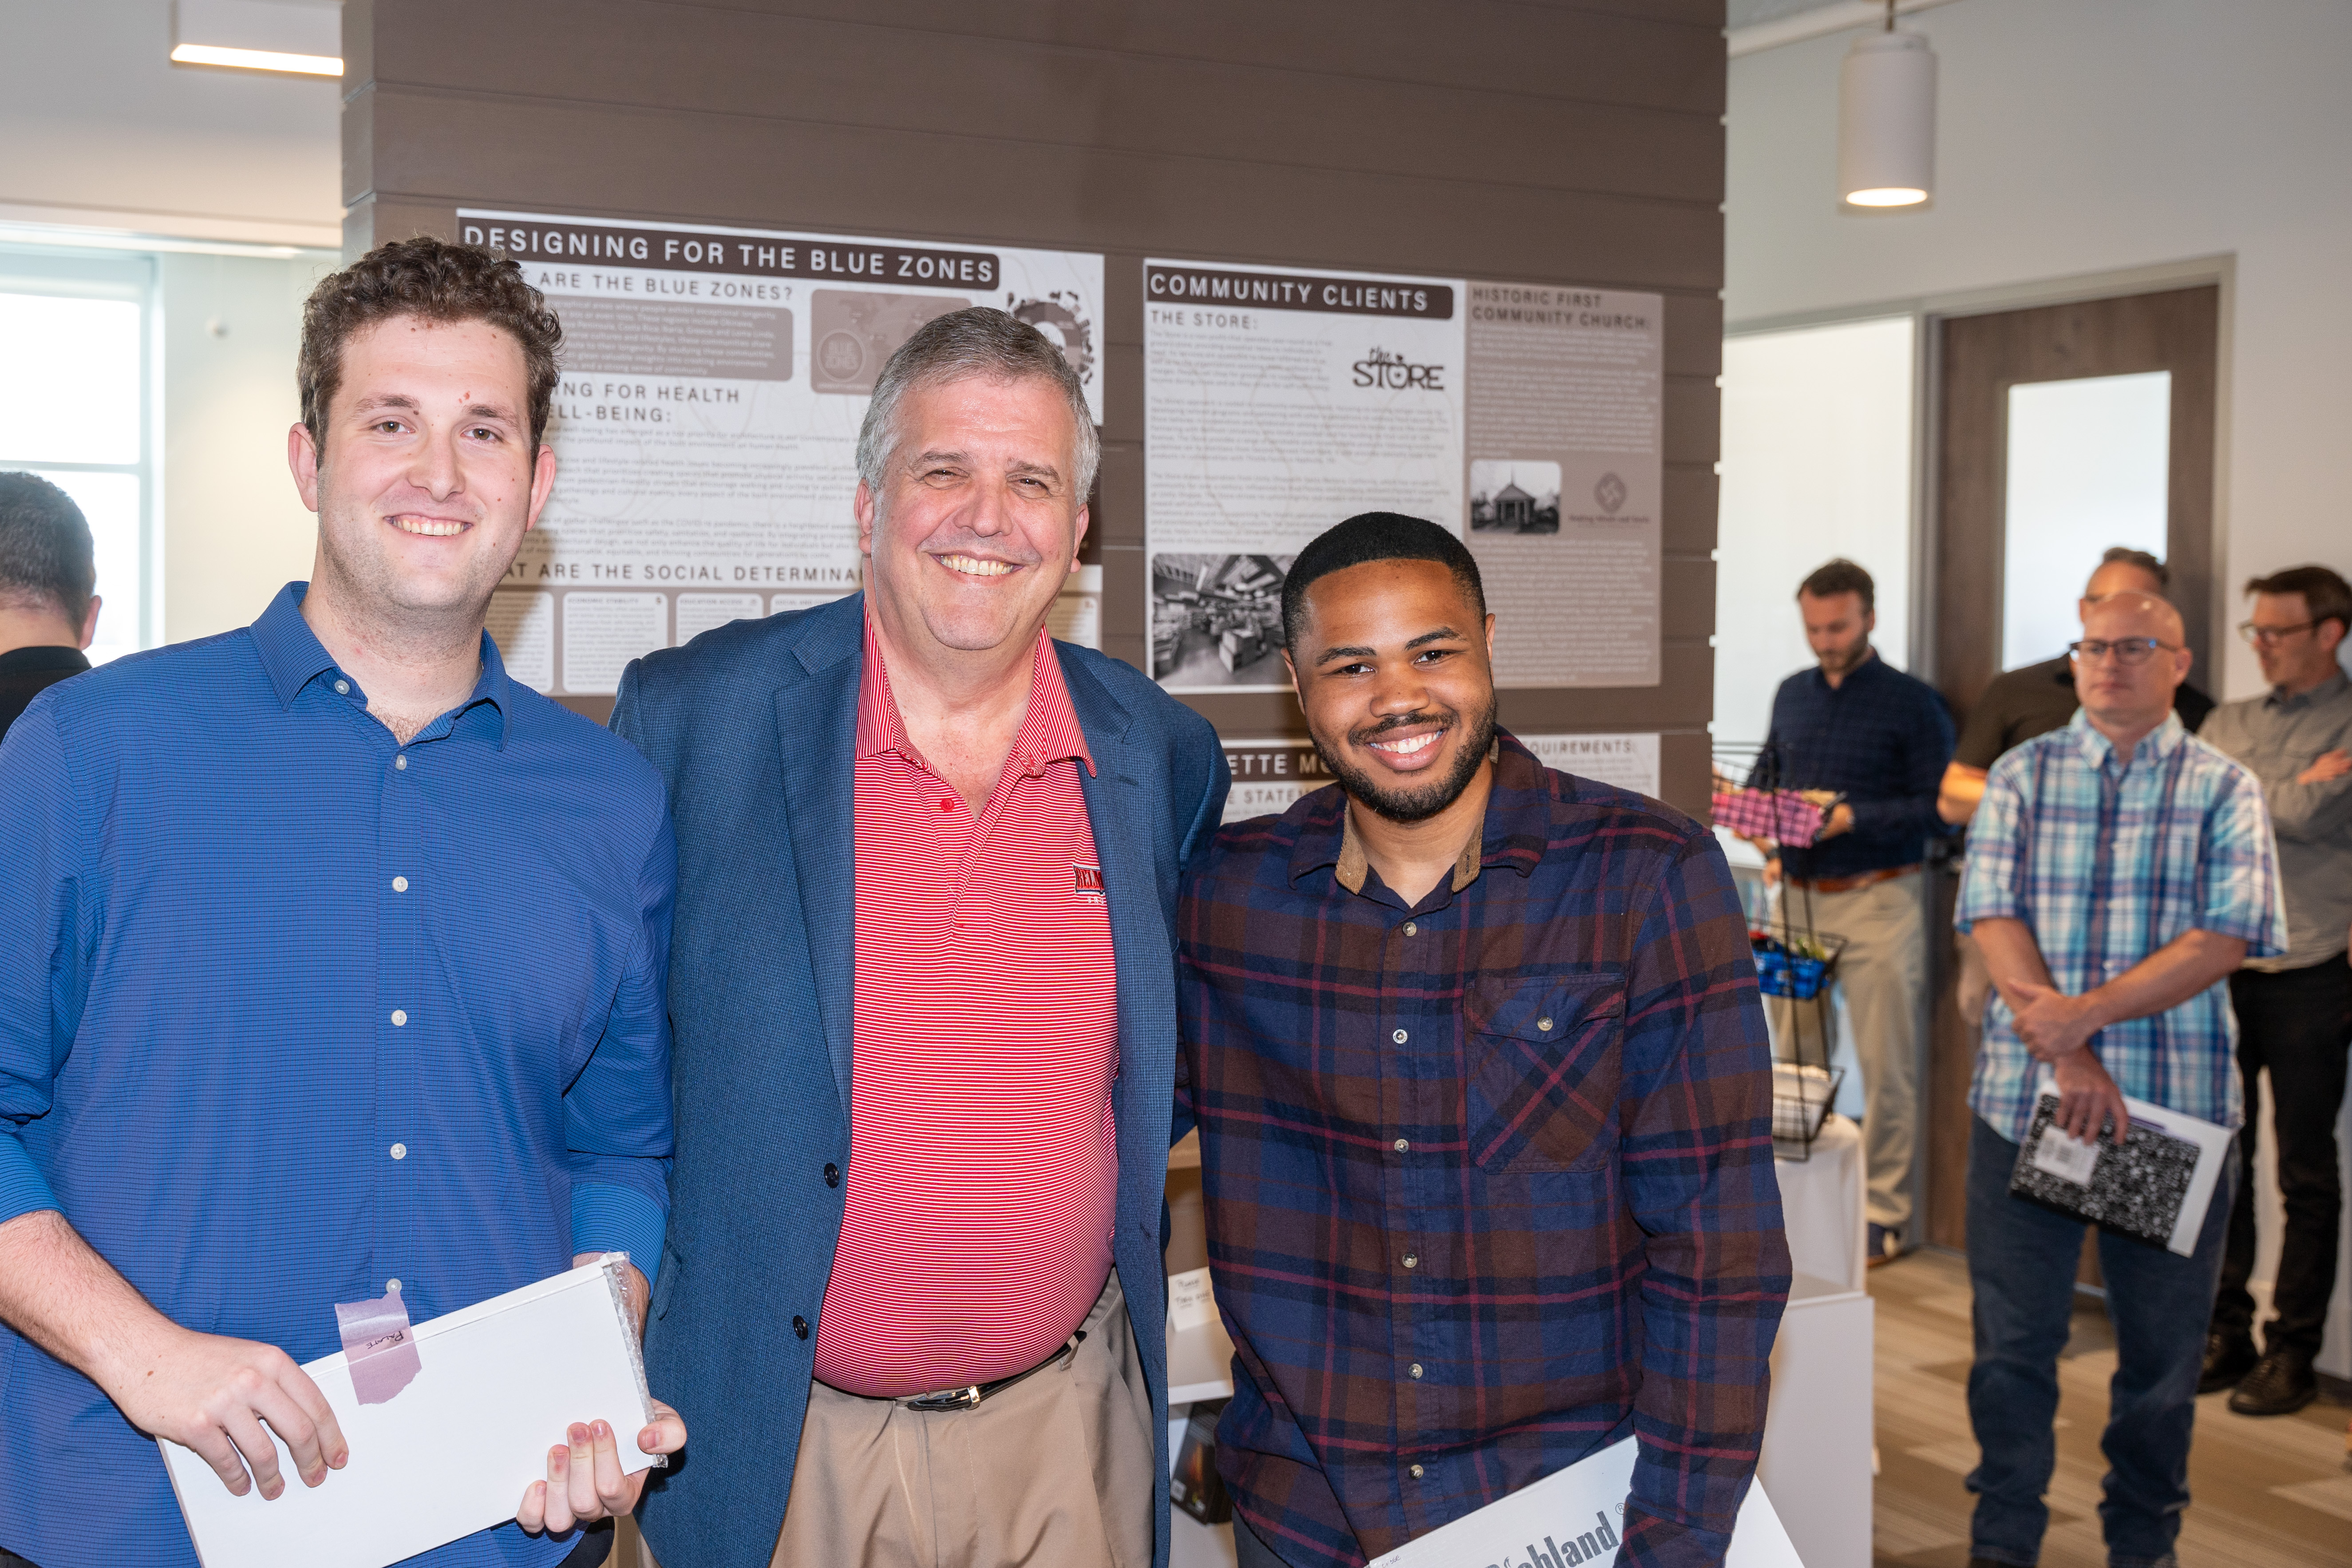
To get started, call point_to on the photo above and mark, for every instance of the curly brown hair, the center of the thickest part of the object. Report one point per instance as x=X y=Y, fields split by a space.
x=440 y=282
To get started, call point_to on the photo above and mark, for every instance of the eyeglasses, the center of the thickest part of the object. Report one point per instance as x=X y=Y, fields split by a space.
x=2267 y=635
x=2127 y=650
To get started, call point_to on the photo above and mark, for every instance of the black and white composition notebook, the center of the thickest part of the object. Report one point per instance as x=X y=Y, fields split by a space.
x=2154 y=1188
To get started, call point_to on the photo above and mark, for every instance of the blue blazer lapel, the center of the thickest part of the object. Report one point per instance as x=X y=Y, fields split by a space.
x=816 y=729
x=1118 y=804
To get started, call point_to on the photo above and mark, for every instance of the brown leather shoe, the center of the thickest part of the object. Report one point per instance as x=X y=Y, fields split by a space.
x=2227 y=1358
x=2280 y=1384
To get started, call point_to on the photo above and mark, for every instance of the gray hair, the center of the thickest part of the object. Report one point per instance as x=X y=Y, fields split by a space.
x=979 y=342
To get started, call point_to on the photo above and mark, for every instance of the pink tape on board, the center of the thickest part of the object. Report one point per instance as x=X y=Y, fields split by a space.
x=379 y=1345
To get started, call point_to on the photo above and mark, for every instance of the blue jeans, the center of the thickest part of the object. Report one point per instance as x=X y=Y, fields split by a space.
x=2022 y=1263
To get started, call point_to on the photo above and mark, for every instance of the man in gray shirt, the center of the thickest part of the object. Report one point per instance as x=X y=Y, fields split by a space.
x=2294 y=1012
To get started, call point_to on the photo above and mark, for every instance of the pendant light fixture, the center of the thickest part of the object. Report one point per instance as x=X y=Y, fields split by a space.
x=1887 y=119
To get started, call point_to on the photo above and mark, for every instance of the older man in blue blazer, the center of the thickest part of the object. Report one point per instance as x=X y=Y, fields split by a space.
x=922 y=993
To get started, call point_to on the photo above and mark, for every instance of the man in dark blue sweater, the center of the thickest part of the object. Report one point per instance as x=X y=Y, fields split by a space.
x=1880 y=740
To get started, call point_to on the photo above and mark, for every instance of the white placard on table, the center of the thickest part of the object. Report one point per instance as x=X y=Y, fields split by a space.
x=1575 y=1516
x=451 y=1453
x=1191 y=1303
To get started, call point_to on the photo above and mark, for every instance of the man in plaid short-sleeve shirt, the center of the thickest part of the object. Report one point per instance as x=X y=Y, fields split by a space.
x=1484 y=1100
x=2118 y=870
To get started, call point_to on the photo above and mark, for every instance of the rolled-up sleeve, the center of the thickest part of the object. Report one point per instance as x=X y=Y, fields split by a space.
x=1992 y=882
x=2241 y=893
x=1698 y=1158
x=618 y=1127
x=41 y=987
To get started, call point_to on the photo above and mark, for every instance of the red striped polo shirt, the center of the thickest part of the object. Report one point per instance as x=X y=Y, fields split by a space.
x=983 y=1174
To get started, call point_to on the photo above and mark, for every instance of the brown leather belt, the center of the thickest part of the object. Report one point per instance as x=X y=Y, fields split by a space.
x=1848 y=884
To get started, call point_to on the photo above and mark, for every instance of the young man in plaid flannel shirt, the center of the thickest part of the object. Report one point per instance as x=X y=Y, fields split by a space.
x=1485 y=1098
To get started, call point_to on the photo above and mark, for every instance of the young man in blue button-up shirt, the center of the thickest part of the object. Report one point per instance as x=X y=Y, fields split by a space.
x=337 y=963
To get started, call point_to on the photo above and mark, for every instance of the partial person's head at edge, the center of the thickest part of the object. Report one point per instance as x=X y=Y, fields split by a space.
x=1839 y=604
x=2132 y=658
x=1390 y=648
x=427 y=374
x=2123 y=570
x=2299 y=620
x=974 y=465
x=48 y=567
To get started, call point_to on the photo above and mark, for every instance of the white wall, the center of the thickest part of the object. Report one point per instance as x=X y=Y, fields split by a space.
x=1816 y=464
x=233 y=528
x=97 y=126
x=2085 y=136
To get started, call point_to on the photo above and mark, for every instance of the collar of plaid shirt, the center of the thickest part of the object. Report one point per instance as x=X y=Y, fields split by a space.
x=1489 y=1178
x=1353 y=862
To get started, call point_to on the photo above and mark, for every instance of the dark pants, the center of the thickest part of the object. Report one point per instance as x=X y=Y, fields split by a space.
x=2298 y=1025
x=1249 y=1552
x=2021 y=1261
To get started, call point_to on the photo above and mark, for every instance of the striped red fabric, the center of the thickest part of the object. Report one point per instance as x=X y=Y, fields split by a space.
x=982 y=1169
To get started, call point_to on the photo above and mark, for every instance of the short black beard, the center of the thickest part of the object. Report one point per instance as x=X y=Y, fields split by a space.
x=1422 y=802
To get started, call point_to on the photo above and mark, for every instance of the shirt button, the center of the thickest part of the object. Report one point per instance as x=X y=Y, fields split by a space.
x=400 y=1151
x=400 y=884
x=1416 y=1472
x=399 y=1018
x=392 y=1287
x=1544 y=1024
x=832 y=1175
x=946 y=805
x=1399 y=1036
x=1411 y=929
x=1402 y=1144
x=800 y=1327
x=343 y=688
x=1413 y=1371
x=1412 y=1260
x=400 y=763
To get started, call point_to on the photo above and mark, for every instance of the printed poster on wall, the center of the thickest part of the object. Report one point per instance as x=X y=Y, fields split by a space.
x=1269 y=775
x=706 y=421
x=1527 y=418
x=1276 y=401
x=1565 y=435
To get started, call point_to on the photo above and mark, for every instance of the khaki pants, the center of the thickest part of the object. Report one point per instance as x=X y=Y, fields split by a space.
x=1884 y=972
x=1055 y=1472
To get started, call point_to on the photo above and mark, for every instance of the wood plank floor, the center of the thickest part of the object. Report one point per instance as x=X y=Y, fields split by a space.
x=2268 y=1493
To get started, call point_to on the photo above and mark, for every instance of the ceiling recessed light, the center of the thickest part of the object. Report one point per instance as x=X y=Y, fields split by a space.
x=256 y=59
x=290 y=37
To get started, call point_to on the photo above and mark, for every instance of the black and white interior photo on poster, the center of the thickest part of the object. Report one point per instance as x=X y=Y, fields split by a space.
x=1216 y=620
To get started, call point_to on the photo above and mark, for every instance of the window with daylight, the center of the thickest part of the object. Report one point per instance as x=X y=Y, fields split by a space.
x=77 y=375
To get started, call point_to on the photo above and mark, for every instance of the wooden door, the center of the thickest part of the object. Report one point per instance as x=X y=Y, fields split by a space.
x=1978 y=359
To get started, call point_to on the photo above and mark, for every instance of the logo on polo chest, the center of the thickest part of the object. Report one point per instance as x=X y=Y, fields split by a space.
x=1087 y=880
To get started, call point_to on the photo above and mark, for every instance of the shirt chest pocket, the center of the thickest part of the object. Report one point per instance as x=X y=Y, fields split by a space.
x=1544 y=1066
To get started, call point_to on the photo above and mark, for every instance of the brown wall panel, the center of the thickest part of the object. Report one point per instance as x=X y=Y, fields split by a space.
x=578 y=158
x=1690 y=508
x=1265 y=112
x=1661 y=54
x=1569 y=141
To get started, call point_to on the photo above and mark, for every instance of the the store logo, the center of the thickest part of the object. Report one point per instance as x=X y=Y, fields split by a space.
x=1609 y=494
x=1393 y=373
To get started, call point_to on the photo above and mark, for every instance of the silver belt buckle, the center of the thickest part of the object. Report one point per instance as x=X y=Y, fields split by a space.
x=966 y=1398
